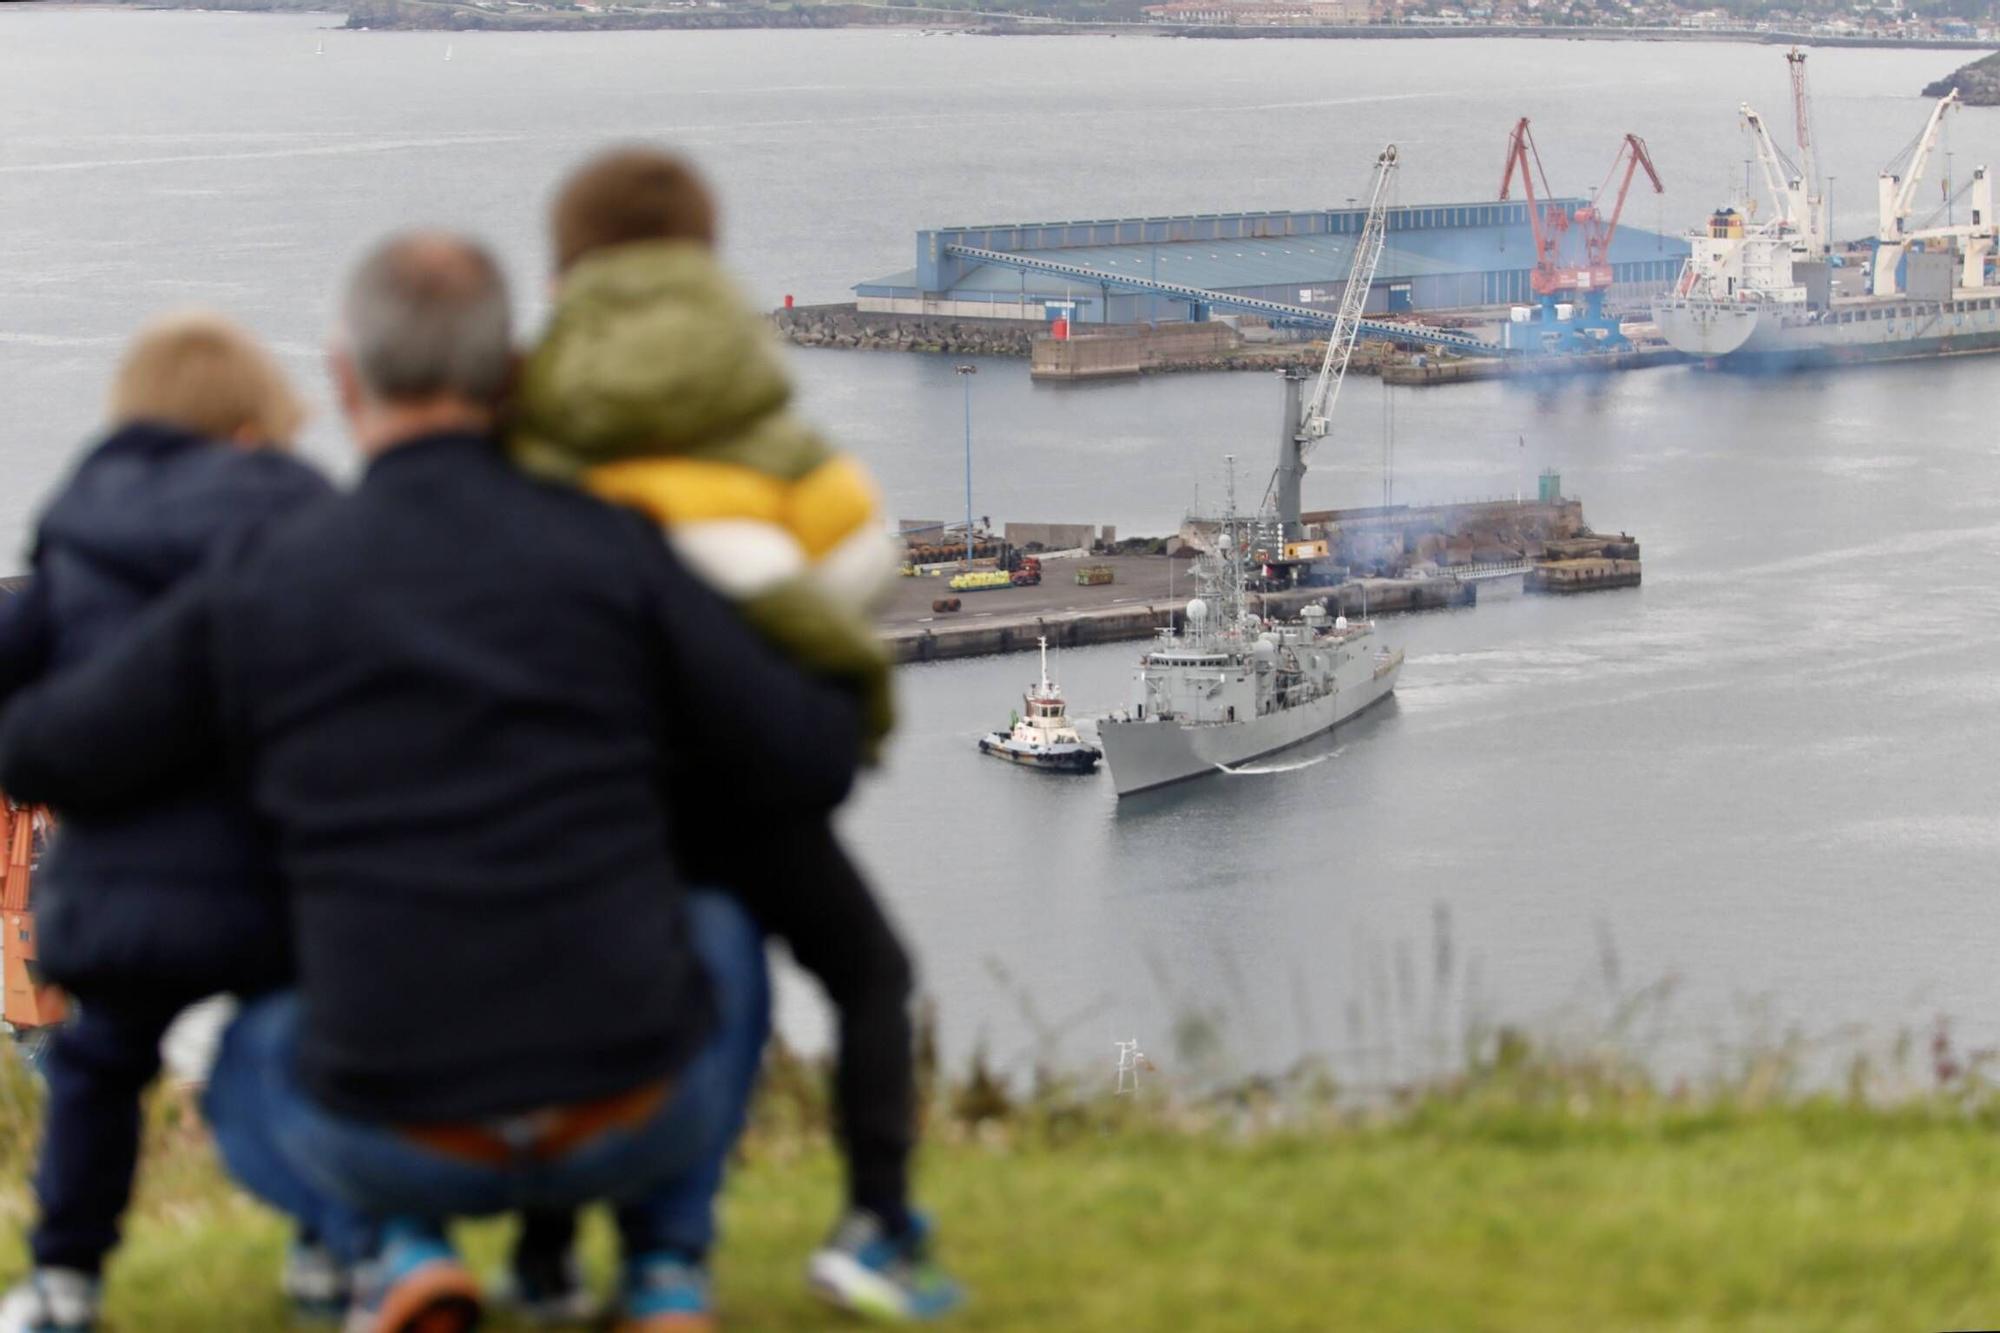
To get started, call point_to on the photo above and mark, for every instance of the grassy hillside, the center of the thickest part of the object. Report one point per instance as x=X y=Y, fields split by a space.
x=1511 y=1201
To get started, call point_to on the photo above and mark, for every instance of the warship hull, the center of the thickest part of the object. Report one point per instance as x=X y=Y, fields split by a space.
x=1144 y=754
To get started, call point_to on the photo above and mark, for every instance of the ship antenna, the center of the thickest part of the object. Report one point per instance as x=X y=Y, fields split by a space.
x=1044 y=641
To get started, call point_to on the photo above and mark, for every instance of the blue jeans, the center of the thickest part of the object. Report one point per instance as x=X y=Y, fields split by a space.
x=664 y=1172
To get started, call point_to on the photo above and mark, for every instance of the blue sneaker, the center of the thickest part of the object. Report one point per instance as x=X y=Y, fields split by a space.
x=416 y=1284
x=665 y=1293
x=51 y=1300
x=864 y=1269
x=317 y=1284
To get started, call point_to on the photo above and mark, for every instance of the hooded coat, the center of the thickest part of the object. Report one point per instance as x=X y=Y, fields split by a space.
x=174 y=899
x=657 y=386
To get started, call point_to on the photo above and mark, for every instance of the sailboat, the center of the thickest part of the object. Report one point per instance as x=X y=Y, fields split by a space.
x=447 y=51
x=320 y=48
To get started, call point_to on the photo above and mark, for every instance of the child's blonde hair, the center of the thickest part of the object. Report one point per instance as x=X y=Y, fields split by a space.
x=203 y=373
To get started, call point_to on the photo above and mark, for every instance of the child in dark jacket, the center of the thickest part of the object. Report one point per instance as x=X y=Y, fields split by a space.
x=141 y=915
x=656 y=386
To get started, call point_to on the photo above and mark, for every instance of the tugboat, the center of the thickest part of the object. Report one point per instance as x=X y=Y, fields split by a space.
x=1043 y=737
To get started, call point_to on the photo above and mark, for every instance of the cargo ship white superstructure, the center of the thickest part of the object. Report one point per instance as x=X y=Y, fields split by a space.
x=1774 y=292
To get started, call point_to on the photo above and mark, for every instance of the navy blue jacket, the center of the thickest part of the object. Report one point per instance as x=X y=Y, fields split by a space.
x=173 y=898
x=461 y=698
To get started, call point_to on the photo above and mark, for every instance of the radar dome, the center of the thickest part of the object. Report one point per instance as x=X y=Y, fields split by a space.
x=1266 y=651
x=1197 y=611
x=1340 y=622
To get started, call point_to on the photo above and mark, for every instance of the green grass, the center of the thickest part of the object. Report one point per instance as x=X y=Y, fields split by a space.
x=1518 y=1198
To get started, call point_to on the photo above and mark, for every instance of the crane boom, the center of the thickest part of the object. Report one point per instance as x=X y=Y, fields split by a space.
x=1906 y=191
x=1896 y=195
x=1306 y=421
x=1599 y=230
x=1779 y=174
x=1548 y=223
x=1816 y=225
x=1353 y=301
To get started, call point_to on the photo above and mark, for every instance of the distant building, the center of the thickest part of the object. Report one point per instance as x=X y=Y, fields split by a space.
x=1439 y=257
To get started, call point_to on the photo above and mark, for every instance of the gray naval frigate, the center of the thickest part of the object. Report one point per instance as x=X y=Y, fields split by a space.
x=1231 y=687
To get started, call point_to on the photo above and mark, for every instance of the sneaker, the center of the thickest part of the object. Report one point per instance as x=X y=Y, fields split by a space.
x=864 y=1269
x=666 y=1293
x=51 y=1300
x=557 y=1296
x=415 y=1285
x=317 y=1284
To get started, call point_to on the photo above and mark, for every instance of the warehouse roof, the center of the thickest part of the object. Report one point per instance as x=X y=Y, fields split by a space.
x=1310 y=260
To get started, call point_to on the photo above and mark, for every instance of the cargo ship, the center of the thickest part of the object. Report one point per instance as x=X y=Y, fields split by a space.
x=1774 y=293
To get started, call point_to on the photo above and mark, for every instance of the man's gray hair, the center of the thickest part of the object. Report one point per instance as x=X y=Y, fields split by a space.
x=426 y=315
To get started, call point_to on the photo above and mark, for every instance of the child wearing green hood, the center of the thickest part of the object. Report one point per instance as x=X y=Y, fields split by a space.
x=658 y=387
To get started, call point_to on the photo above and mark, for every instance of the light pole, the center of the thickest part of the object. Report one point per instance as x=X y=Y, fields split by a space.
x=965 y=374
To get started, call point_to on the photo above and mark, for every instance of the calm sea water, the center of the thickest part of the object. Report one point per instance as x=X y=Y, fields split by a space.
x=1768 y=777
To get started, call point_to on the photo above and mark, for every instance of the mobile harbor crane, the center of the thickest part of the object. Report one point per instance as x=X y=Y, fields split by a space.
x=1307 y=420
x=1571 y=294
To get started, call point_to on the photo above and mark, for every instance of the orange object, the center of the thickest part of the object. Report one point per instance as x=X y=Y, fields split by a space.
x=30 y=1002
x=549 y=1133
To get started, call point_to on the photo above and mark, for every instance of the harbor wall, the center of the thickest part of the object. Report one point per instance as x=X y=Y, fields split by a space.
x=1115 y=623
x=1058 y=536
x=1129 y=350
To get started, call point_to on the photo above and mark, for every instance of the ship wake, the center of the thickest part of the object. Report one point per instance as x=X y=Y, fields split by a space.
x=1262 y=770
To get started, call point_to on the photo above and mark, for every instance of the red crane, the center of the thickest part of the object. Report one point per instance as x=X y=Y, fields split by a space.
x=1551 y=223
x=1548 y=219
x=1599 y=230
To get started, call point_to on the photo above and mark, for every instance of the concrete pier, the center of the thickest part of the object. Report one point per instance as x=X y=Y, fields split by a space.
x=1424 y=557
x=1591 y=574
x=1147 y=594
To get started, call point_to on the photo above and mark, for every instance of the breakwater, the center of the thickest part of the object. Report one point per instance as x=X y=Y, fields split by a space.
x=1094 y=352
x=1110 y=624
x=844 y=326
x=1389 y=559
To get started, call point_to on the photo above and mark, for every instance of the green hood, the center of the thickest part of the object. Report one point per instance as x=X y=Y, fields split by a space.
x=651 y=352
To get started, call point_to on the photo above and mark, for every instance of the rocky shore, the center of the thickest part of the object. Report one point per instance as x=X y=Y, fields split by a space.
x=1978 y=84
x=844 y=327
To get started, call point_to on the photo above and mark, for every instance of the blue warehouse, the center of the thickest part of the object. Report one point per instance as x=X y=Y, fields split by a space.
x=1440 y=257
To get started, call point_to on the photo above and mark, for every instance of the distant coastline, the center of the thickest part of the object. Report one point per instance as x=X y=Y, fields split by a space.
x=464 y=16
x=450 y=15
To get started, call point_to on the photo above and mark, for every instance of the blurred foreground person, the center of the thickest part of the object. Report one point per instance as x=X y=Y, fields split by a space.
x=459 y=696
x=149 y=909
x=656 y=385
